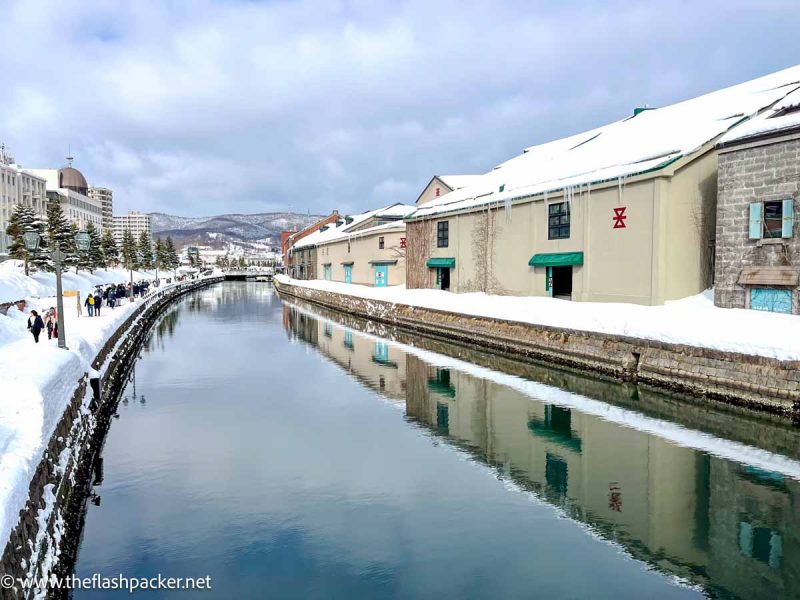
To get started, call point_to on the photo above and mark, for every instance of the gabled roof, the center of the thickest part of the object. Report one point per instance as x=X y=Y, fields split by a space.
x=647 y=141
x=783 y=117
x=394 y=211
x=456 y=182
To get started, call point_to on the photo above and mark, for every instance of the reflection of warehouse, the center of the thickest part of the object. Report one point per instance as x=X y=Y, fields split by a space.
x=374 y=363
x=729 y=527
x=667 y=505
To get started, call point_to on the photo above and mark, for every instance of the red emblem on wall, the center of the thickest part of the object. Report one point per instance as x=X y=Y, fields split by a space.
x=402 y=242
x=619 y=217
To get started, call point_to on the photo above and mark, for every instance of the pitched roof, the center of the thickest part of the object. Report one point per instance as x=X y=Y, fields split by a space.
x=647 y=141
x=782 y=117
x=456 y=182
x=345 y=230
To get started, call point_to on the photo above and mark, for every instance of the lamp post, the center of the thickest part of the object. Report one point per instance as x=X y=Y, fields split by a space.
x=31 y=239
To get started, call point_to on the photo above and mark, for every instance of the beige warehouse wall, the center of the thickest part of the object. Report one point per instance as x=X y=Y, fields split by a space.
x=364 y=249
x=689 y=212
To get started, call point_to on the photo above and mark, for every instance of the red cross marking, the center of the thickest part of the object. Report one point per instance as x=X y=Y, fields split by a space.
x=619 y=217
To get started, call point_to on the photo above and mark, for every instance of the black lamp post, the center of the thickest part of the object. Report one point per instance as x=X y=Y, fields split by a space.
x=31 y=240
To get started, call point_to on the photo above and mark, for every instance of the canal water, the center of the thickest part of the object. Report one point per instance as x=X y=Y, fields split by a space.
x=285 y=453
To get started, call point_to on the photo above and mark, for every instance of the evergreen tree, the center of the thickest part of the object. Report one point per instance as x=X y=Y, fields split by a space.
x=162 y=260
x=129 y=259
x=110 y=250
x=173 y=261
x=22 y=219
x=97 y=258
x=145 y=251
x=59 y=234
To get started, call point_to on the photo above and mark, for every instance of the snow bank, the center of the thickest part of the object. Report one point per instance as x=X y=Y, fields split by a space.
x=37 y=380
x=693 y=321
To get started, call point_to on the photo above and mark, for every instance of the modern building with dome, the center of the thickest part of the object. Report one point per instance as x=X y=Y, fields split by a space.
x=68 y=186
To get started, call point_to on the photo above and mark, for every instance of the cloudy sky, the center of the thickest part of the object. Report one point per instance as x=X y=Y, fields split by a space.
x=202 y=107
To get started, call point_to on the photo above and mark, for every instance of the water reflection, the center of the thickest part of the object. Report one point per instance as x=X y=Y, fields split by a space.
x=725 y=524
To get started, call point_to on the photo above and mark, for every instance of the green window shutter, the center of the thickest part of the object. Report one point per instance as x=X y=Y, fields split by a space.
x=788 y=218
x=756 y=221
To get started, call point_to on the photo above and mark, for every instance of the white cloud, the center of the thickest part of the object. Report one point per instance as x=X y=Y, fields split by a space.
x=315 y=105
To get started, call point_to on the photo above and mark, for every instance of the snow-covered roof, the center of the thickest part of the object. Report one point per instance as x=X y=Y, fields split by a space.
x=456 y=182
x=333 y=233
x=784 y=115
x=646 y=141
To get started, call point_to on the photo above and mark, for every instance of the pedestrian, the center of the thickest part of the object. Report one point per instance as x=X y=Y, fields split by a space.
x=89 y=304
x=135 y=289
x=98 y=302
x=48 y=323
x=54 y=313
x=35 y=325
x=112 y=298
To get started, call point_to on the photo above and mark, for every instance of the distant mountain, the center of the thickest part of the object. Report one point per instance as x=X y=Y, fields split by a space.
x=257 y=230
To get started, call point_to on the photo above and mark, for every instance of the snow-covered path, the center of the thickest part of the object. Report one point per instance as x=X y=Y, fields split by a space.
x=693 y=321
x=37 y=381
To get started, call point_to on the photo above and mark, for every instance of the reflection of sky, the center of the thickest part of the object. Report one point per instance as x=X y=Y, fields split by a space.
x=264 y=465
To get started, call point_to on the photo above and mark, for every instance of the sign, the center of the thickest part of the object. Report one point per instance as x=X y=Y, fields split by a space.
x=402 y=242
x=619 y=217
x=58 y=256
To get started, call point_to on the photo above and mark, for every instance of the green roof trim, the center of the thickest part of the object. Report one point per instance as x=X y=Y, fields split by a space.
x=556 y=259
x=441 y=263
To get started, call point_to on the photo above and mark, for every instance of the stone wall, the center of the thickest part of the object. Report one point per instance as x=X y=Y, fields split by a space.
x=58 y=492
x=740 y=379
x=751 y=173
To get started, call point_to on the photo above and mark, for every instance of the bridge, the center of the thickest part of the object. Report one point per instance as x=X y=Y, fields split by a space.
x=263 y=274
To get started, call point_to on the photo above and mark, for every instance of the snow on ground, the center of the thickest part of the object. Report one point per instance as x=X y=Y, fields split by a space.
x=37 y=380
x=693 y=321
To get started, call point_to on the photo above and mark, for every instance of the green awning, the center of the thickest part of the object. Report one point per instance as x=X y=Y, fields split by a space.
x=441 y=263
x=557 y=259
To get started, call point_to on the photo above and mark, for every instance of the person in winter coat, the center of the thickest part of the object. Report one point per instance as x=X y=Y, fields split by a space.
x=35 y=325
x=89 y=304
x=112 y=298
x=49 y=322
x=135 y=289
x=98 y=302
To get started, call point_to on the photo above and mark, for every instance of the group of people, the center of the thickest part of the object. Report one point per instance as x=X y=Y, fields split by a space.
x=50 y=322
x=111 y=295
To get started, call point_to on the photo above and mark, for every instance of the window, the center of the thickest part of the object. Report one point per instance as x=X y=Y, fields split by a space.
x=380 y=243
x=771 y=219
x=558 y=221
x=442 y=234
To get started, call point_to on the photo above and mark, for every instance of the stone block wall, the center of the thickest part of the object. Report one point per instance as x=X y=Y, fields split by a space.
x=57 y=492
x=752 y=381
x=752 y=173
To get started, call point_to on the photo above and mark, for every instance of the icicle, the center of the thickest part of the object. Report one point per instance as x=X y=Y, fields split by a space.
x=588 y=191
x=508 y=209
x=619 y=188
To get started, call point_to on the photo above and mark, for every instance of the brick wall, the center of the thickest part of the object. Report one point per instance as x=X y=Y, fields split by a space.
x=765 y=172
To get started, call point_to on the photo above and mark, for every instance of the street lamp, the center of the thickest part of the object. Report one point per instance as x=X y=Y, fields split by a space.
x=31 y=240
x=83 y=240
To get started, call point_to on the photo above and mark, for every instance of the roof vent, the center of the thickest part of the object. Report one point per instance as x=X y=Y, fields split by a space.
x=324 y=228
x=339 y=222
x=641 y=109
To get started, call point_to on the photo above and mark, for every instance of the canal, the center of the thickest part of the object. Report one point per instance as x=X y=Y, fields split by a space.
x=286 y=452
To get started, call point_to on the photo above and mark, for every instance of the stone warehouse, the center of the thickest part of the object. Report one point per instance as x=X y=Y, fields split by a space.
x=758 y=251
x=367 y=248
x=622 y=213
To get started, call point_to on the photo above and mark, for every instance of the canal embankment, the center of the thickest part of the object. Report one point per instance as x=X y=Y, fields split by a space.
x=57 y=430
x=765 y=383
